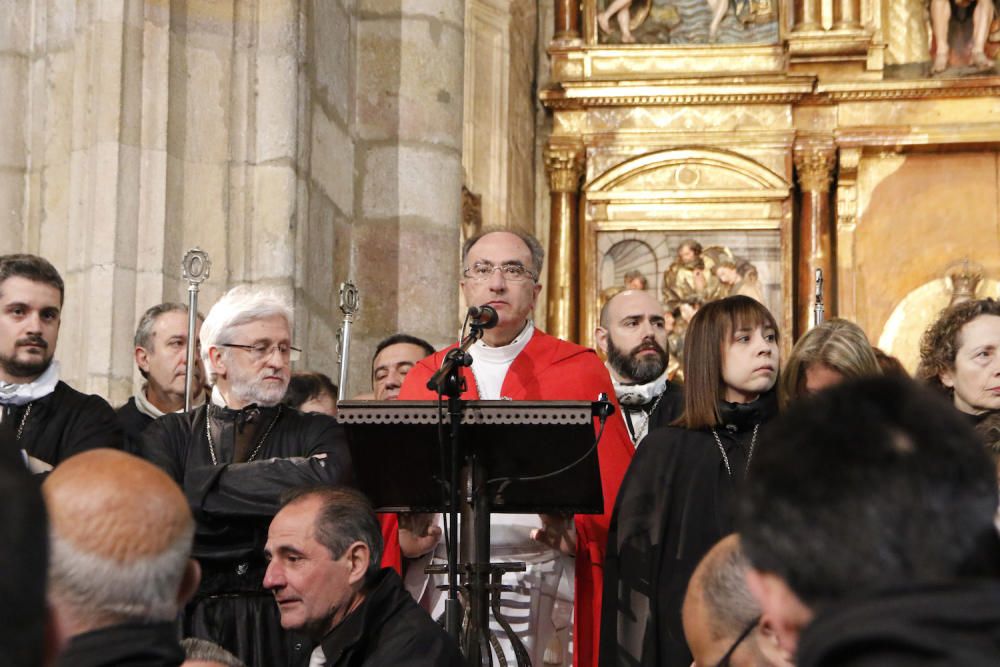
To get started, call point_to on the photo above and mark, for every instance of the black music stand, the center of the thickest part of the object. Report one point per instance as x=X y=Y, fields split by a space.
x=509 y=450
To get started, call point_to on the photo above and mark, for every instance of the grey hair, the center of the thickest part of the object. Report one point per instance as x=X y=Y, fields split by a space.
x=203 y=650
x=238 y=306
x=537 y=252
x=730 y=605
x=114 y=592
x=144 y=330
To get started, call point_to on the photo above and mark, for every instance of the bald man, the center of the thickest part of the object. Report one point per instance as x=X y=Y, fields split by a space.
x=121 y=568
x=722 y=621
x=633 y=337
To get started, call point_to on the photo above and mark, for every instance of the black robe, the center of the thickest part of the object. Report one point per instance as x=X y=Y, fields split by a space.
x=389 y=628
x=675 y=503
x=233 y=504
x=133 y=423
x=956 y=623
x=127 y=645
x=64 y=423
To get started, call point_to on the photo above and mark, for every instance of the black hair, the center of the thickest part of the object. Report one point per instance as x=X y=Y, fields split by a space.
x=870 y=485
x=305 y=386
x=31 y=267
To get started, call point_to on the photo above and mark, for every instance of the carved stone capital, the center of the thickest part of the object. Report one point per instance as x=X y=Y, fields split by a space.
x=814 y=166
x=564 y=165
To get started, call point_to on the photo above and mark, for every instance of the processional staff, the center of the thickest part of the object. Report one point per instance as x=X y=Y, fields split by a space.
x=349 y=302
x=195 y=268
x=818 y=314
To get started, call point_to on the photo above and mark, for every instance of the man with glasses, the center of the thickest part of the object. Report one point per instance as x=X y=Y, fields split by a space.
x=516 y=361
x=234 y=457
x=722 y=621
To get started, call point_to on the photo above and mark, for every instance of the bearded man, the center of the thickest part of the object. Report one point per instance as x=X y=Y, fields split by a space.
x=234 y=457
x=51 y=420
x=633 y=336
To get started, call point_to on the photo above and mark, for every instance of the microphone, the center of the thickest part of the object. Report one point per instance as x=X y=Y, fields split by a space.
x=484 y=317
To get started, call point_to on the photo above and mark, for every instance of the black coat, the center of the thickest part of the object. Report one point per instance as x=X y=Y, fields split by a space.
x=675 y=503
x=930 y=626
x=389 y=628
x=127 y=645
x=64 y=423
x=133 y=423
x=233 y=504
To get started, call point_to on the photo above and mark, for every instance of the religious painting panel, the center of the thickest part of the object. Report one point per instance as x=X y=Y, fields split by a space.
x=693 y=22
x=686 y=268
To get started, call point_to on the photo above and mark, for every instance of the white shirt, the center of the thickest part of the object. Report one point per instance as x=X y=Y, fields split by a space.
x=490 y=364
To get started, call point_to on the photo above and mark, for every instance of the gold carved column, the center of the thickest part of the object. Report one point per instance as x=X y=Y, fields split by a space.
x=567 y=17
x=808 y=15
x=564 y=165
x=814 y=165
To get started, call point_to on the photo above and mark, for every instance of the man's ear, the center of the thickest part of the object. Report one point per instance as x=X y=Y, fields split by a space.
x=142 y=359
x=358 y=557
x=785 y=613
x=216 y=361
x=189 y=582
x=769 y=646
x=601 y=338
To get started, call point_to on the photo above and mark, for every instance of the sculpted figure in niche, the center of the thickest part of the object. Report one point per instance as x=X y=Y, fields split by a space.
x=620 y=10
x=738 y=276
x=953 y=43
x=690 y=275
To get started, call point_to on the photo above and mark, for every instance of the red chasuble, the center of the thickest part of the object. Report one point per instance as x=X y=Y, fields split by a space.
x=550 y=369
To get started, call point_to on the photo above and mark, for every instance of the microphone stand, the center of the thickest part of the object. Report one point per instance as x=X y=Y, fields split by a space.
x=448 y=381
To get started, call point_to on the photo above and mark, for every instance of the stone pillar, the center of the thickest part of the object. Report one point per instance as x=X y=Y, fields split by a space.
x=846 y=14
x=408 y=160
x=814 y=166
x=567 y=16
x=15 y=69
x=564 y=164
x=808 y=15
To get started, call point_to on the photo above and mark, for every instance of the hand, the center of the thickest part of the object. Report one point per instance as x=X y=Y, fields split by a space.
x=417 y=534
x=557 y=532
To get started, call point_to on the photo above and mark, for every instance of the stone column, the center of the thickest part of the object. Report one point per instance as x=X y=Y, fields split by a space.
x=564 y=164
x=846 y=14
x=814 y=166
x=808 y=15
x=567 y=16
x=408 y=160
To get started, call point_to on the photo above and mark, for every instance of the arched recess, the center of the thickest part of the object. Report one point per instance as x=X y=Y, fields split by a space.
x=711 y=194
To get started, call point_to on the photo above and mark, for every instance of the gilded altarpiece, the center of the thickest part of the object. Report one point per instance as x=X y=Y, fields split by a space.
x=829 y=140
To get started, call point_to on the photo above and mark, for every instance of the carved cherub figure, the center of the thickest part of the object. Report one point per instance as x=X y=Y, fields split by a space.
x=620 y=10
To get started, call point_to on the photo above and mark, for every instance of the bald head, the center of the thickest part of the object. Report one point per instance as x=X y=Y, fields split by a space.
x=633 y=336
x=121 y=539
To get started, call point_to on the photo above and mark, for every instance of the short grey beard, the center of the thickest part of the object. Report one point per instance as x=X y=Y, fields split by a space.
x=252 y=393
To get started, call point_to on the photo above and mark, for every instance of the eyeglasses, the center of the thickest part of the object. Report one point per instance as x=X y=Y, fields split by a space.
x=262 y=351
x=739 y=640
x=483 y=271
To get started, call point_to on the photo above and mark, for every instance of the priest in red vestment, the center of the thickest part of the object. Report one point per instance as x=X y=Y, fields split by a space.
x=516 y=361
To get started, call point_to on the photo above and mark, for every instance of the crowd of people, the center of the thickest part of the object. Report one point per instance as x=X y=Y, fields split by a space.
x=826 y=509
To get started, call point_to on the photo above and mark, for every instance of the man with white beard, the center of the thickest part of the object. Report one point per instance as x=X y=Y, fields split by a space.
x=234 y=457
x=633 y=336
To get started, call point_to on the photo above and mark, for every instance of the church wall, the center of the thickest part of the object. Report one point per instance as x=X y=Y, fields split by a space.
x=299 y=142
x=918 y=214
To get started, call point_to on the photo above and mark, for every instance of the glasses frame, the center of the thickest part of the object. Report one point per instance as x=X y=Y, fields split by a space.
x=529 y=274
x=293 y=352
x=724 y=662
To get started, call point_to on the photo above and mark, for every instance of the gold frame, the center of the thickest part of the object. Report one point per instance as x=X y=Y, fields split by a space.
x=607 y=207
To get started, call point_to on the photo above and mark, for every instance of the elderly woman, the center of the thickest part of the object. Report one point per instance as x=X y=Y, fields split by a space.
x=960 y=355
x=827 y=354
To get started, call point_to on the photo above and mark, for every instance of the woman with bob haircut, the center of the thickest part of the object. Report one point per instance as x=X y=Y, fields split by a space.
x=677 y=498
x=827 y=354
x=960 y=356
